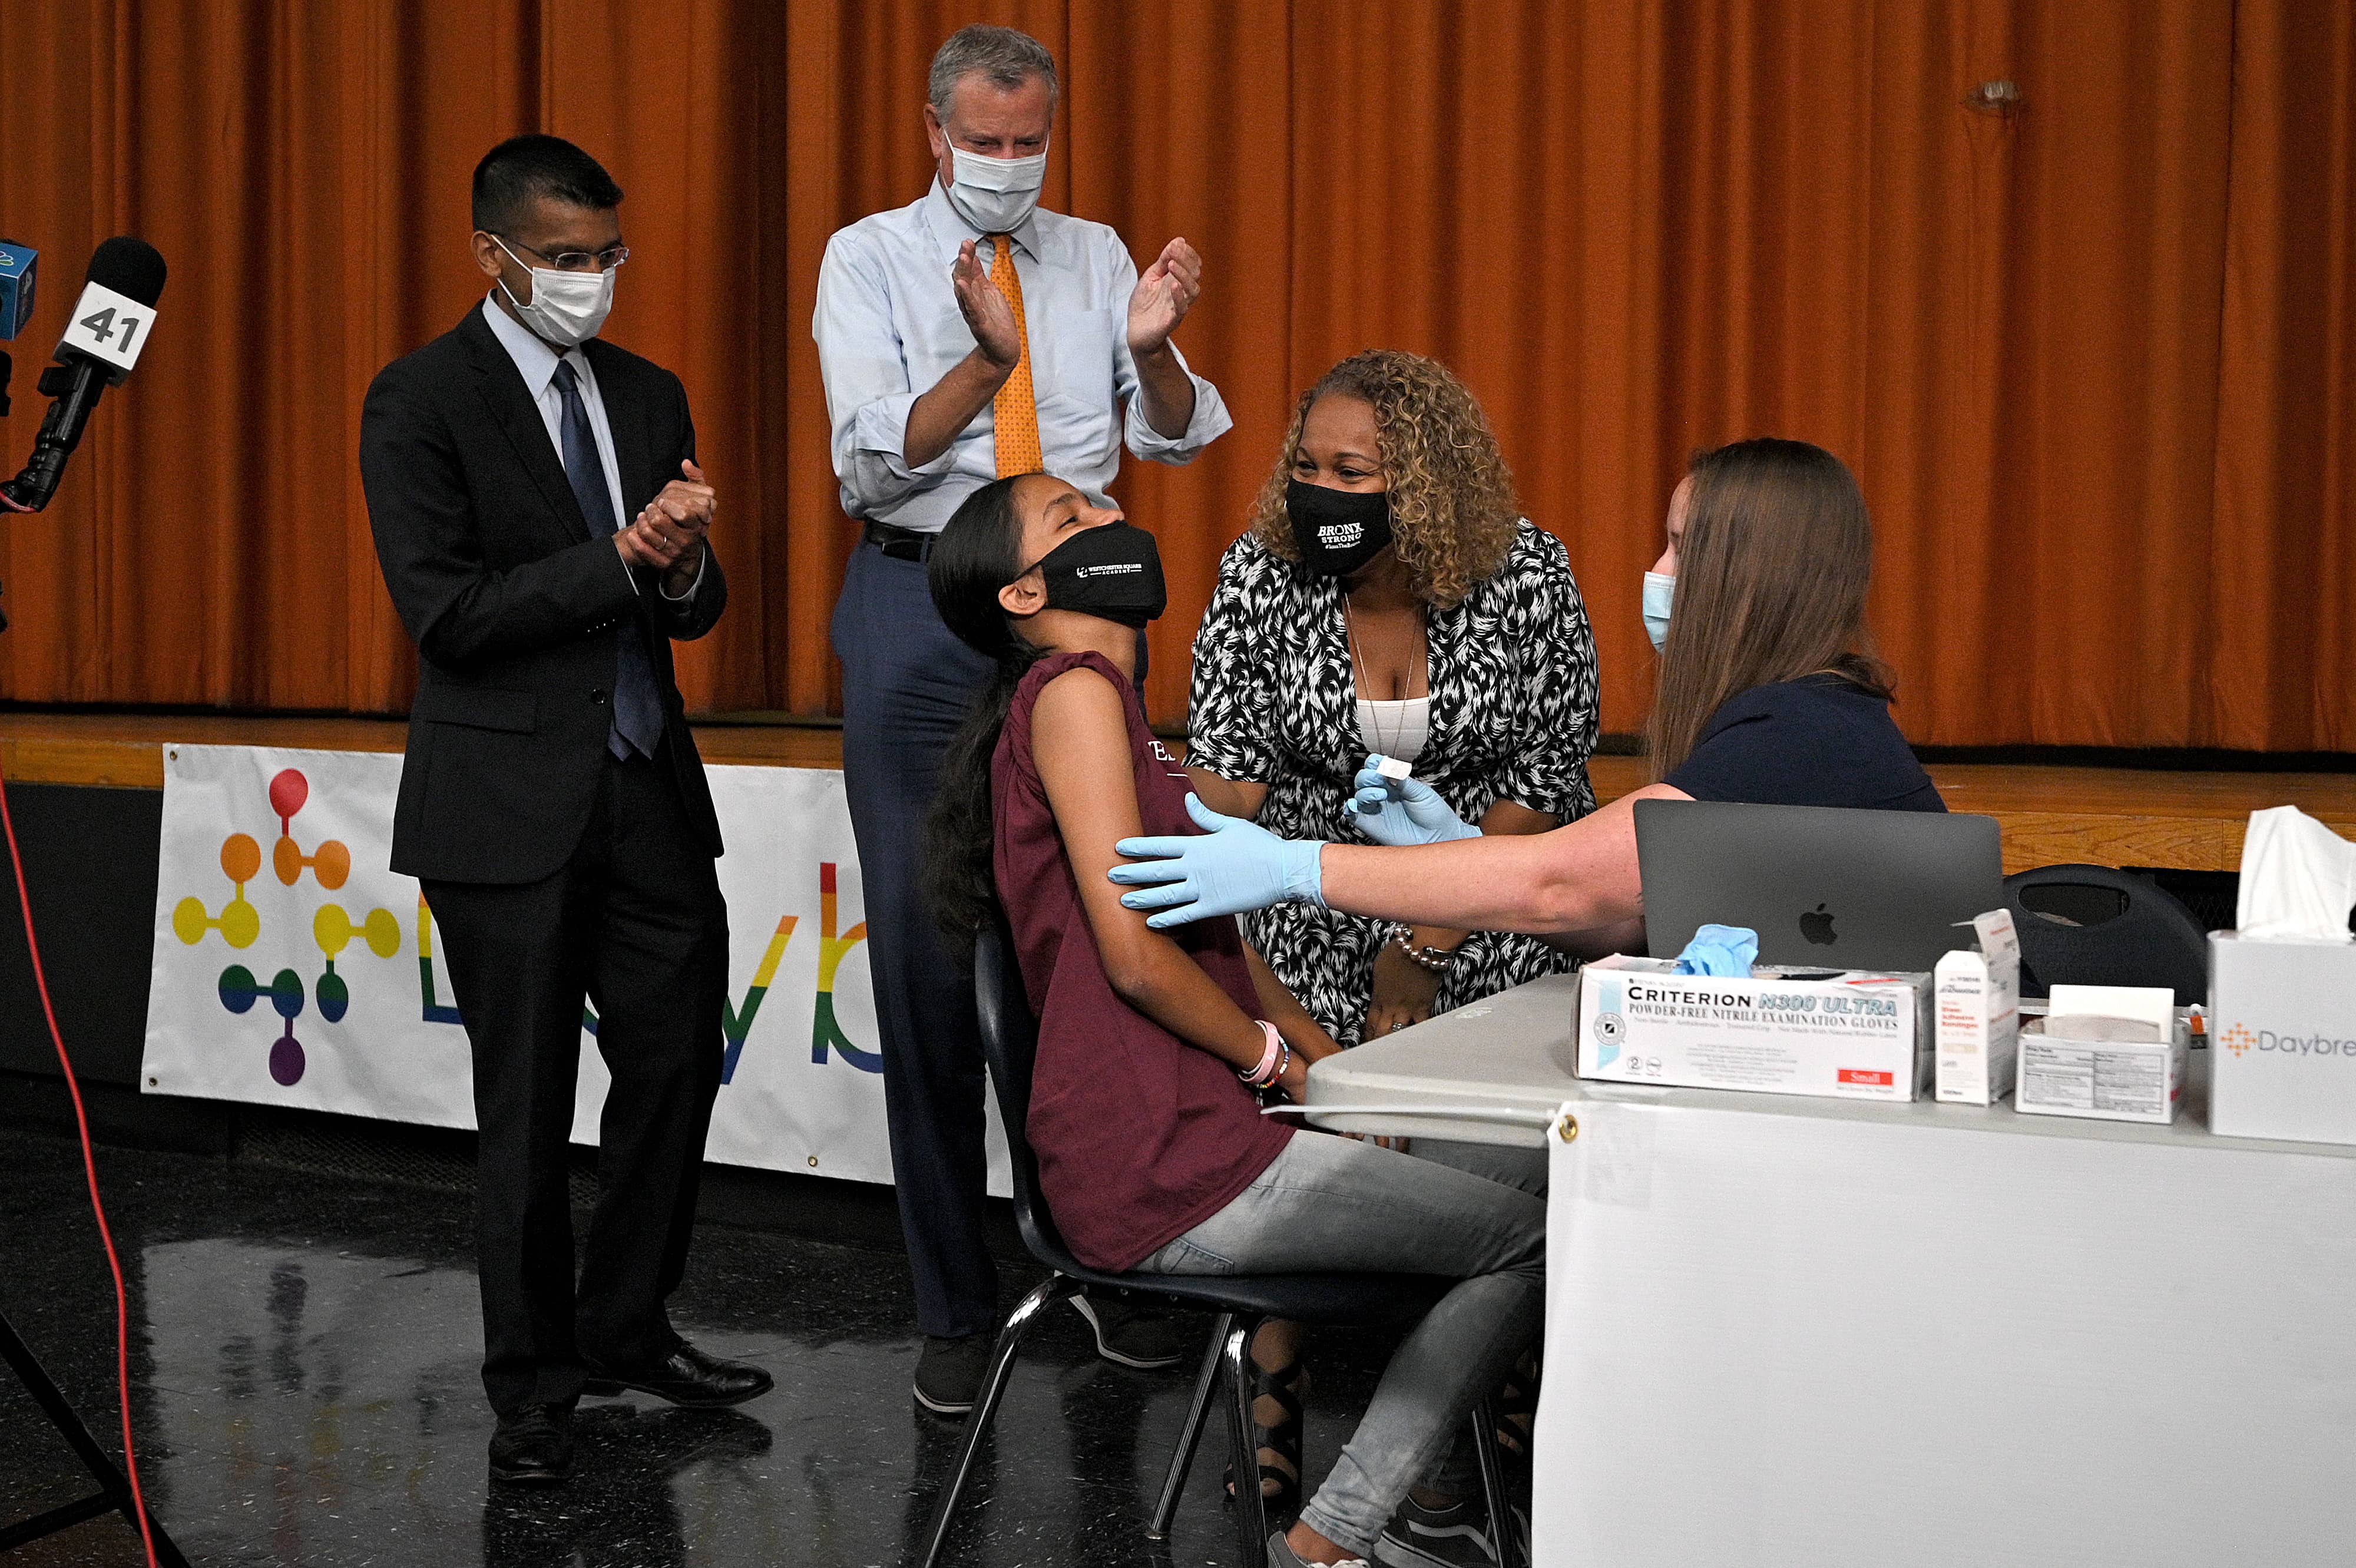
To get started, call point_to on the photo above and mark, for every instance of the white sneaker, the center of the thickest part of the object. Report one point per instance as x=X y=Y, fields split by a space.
x=1282 y=1555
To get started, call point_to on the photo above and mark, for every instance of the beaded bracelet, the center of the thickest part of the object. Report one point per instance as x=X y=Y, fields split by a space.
x=1432 y=960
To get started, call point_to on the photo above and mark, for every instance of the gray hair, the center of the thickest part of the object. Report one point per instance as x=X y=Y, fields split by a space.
x=1008 y=58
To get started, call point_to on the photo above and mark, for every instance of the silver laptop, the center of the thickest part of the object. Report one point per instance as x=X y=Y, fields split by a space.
x=1832 y=889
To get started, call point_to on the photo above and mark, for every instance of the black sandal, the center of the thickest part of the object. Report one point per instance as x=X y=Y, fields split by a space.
x=1518 y=1407
x=1278 y=1394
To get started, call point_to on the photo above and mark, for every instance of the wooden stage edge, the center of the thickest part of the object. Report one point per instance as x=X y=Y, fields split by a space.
x=2107 y=816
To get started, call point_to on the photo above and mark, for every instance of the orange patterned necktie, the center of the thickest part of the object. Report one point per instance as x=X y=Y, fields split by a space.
x=1016 y=410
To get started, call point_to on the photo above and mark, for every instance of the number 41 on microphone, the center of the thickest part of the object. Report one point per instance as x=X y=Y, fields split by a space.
x=109 y=327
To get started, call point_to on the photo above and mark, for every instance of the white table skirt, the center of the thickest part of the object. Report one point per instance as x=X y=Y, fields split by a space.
x=1795 y=1331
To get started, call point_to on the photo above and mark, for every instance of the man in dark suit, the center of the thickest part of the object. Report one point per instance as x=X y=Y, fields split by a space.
x=551 y=802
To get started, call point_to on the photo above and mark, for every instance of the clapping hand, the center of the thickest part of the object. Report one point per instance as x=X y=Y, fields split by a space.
x=1231 y=866
x=1400 y=811
x=1163 y=295
x=986 y=314
x=669 y=535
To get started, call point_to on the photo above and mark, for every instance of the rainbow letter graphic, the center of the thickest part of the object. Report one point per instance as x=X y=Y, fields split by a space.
x=737 y=1023
x=824 y=1030
x=432 y=1012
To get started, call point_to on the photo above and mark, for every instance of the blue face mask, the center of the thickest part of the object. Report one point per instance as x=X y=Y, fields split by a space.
x=1659 y=587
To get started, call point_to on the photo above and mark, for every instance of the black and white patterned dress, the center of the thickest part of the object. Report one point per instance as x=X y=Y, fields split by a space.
x=1512 y=717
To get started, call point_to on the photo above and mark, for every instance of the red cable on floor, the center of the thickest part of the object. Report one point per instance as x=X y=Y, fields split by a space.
x=89 y=1170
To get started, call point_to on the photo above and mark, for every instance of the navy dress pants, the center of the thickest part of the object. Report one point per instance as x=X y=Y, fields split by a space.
x=907 y=686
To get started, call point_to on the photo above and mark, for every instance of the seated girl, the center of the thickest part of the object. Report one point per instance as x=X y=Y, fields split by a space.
x=1153 y=1155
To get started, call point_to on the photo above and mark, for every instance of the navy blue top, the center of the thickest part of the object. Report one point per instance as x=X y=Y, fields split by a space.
x=1816 y=741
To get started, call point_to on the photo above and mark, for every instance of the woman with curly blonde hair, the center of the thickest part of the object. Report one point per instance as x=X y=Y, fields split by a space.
x=1389 y=597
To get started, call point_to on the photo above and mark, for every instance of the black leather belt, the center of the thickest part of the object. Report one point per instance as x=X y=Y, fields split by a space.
x=900 y=544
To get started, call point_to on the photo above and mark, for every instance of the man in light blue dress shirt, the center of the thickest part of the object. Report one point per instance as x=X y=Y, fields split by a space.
x=932 y=321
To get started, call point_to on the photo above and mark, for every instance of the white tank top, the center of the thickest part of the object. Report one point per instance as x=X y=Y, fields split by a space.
x=1396 y=729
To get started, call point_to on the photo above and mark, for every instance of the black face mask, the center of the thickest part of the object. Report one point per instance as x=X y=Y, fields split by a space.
x=1337 y=531
x=1114 y=570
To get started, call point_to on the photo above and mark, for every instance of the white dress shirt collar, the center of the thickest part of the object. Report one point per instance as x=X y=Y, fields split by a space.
x=951 y=231
x=532 y=357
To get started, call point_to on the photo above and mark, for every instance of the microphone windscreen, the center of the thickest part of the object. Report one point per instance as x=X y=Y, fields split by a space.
x=132 y=268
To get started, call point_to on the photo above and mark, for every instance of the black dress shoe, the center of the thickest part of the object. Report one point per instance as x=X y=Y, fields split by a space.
x=950 y=1372
x=686 y=1376
x=533 y=1447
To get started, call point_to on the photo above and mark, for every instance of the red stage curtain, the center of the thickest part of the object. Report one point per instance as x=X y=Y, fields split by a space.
x=2094 y=358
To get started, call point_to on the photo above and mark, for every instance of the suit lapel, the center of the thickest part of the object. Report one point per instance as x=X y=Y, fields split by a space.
x=633 y=452
x=510 y=408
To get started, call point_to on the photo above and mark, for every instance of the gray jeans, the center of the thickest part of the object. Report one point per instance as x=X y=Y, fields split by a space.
x=1524 y=1168
x=1333 y=1204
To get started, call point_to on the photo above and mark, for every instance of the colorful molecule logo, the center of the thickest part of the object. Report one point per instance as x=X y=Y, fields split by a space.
x=332 y=863
x=240 y=924
x=2238 y=1039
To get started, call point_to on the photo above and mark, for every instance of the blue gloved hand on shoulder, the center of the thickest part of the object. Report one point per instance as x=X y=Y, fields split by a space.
x=1231 y=866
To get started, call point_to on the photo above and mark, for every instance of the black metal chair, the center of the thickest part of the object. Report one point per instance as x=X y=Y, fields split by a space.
x=1239 y=1302
x=2090 y=925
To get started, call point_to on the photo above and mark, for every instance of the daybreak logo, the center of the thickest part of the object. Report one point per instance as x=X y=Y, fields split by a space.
x=2296 y=1044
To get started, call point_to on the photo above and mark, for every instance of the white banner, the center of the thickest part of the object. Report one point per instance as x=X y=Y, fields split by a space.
x=292 y=967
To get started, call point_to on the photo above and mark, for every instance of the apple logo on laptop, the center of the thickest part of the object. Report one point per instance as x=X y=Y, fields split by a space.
x=1817 y=925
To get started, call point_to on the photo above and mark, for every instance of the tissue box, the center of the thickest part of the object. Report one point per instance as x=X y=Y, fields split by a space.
x=1847 y=1034
x=2282 y=1034
x=1979 y=1014
x=2105 y=1078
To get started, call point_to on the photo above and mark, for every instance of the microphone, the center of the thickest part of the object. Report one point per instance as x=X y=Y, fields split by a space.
x=16 y=287
x=104 y=334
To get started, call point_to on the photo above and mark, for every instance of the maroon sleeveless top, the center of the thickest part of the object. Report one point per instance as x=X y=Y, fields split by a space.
x=1140 y=1136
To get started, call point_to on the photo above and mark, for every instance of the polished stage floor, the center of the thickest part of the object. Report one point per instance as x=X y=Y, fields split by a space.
x=305 y=1349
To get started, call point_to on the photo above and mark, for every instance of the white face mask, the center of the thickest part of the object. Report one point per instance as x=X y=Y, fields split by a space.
x=566 y=309
x=995 y=195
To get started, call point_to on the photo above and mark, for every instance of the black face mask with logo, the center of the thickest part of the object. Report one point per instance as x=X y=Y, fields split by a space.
x=1337 y=531
x=1114 y=571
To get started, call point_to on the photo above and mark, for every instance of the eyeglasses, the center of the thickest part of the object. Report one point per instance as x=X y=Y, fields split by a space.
x=576 y=260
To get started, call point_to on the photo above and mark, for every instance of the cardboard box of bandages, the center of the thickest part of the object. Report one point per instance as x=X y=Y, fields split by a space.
x=2281 y=1033
x=1979 y=1014
x=1846 y=1034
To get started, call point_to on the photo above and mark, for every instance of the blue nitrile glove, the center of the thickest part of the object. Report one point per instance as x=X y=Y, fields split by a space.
x=1726 y=951
x=1398 y=811
x=1231 y=866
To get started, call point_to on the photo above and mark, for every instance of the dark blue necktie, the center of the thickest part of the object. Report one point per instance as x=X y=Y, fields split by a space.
x=638 y=710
